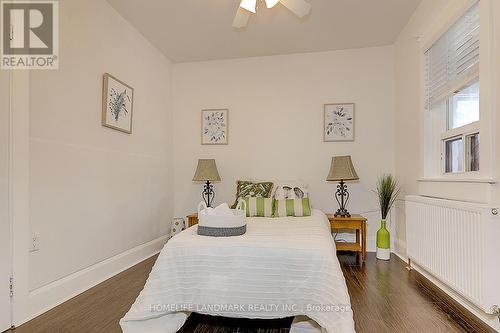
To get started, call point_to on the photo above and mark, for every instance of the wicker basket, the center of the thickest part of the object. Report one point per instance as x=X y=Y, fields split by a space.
x=222 y=226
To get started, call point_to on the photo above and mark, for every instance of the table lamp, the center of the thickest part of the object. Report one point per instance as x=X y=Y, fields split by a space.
x=206 y=171
x=342 y=169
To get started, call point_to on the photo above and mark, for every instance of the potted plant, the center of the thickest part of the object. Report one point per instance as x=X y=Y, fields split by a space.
x=387 y=191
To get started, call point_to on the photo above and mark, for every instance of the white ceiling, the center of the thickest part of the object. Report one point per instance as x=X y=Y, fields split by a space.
x=195 y=30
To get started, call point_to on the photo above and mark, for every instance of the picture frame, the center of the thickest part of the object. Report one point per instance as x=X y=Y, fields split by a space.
x=117 y=104
x=214 y=127
x=339 y=122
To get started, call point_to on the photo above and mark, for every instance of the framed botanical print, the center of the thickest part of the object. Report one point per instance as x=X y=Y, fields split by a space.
x=117 y=104
x=338 y=122
x=214 y=127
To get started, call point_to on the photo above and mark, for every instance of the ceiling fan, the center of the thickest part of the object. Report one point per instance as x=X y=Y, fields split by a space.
x=299 y=7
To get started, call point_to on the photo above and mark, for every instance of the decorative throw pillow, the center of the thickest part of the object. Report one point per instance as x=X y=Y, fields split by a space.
x=259 y=207
x=292 y=207
x=246 y=188
x=290 y=191
x=178 y=224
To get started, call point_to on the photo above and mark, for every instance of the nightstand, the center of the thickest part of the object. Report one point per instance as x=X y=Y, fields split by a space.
x=356 y=223
x=192 y=219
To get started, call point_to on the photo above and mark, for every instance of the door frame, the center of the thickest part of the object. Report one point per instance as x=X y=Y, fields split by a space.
x=19 y=137
x=9 y=192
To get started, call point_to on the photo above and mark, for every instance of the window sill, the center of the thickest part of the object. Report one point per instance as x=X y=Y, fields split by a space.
x=458 y=180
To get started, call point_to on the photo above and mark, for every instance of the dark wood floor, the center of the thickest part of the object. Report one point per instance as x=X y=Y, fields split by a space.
x=385 y=298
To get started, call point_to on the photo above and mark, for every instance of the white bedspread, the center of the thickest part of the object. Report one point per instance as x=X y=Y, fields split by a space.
x=279 y=268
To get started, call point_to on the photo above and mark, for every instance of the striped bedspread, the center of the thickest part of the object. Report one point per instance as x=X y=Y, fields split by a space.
x=281 y=267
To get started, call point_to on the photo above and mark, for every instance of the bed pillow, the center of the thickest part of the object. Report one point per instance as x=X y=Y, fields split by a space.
x=292 y=207
x=290 y=191
x=245 y=188
x=259 y=207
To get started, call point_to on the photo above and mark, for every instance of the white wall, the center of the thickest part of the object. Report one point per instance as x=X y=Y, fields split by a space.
x=276 y=119
x=408 y=120
x=97 y=192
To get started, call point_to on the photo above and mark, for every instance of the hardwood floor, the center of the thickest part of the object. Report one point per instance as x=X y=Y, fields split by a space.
x=385 y=298
x=98 y=309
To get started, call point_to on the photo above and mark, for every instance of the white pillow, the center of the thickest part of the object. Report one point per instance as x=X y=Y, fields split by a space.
x=290 y=190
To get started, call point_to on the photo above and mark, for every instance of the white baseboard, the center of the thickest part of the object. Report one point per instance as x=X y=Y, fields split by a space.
x=402 y=257
x=49 y=296
x=400 y=249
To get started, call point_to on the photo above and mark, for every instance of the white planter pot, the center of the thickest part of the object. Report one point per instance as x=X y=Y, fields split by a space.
x=383 y=254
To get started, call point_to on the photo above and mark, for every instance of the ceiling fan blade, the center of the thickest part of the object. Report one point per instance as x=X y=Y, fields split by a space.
x=271 y=3
x=241 y=18
x=299 y=7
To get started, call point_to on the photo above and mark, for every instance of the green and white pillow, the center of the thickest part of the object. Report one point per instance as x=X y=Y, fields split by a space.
x=259 y=207
x=246 y=188
x=292 y=207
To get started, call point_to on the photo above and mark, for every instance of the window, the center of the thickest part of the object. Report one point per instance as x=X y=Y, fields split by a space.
x=473 y=152
x=464 y=107
x=454 y=155
x=452 y=96
x=461 y=138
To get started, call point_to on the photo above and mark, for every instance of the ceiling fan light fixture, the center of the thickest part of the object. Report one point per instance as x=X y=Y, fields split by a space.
x=250 y=5
x=271 y=3
x=300 y=8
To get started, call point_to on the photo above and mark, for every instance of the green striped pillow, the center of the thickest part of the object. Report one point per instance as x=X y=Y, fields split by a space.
x=259 y=207
x=292 y=207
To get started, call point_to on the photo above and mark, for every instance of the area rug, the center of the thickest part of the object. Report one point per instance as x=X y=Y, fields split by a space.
x=197 y=323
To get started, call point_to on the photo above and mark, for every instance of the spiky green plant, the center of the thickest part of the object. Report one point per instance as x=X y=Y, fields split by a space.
x=387 y=191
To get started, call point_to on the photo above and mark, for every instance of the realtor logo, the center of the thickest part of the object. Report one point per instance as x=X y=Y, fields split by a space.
x=29 y=36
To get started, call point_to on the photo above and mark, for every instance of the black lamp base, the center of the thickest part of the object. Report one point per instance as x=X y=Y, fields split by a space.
x=208 y=193
x=342 y=213
x=342 y=197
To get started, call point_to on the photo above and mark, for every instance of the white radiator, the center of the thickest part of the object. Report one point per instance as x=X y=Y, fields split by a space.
x=459 y=244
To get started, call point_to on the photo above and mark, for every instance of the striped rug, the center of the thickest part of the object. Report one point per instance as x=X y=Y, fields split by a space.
x=197 y=323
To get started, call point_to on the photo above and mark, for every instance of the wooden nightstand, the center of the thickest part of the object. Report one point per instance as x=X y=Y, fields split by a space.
x=355 y=222
x=192 y=219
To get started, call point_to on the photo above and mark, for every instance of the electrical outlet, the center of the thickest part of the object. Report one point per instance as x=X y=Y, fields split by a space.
x=34 y=244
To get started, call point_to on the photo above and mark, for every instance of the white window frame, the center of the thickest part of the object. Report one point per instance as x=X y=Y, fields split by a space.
x=460 y=132
x=431 y=165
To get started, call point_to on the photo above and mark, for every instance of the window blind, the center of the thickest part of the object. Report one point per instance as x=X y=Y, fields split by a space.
x=453 y=61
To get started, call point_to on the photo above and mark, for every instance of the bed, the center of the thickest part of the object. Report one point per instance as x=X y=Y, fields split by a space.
x=281 y=267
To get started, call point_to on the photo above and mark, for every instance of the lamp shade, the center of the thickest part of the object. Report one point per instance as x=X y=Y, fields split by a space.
x=342 y=169
x=206 y=170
